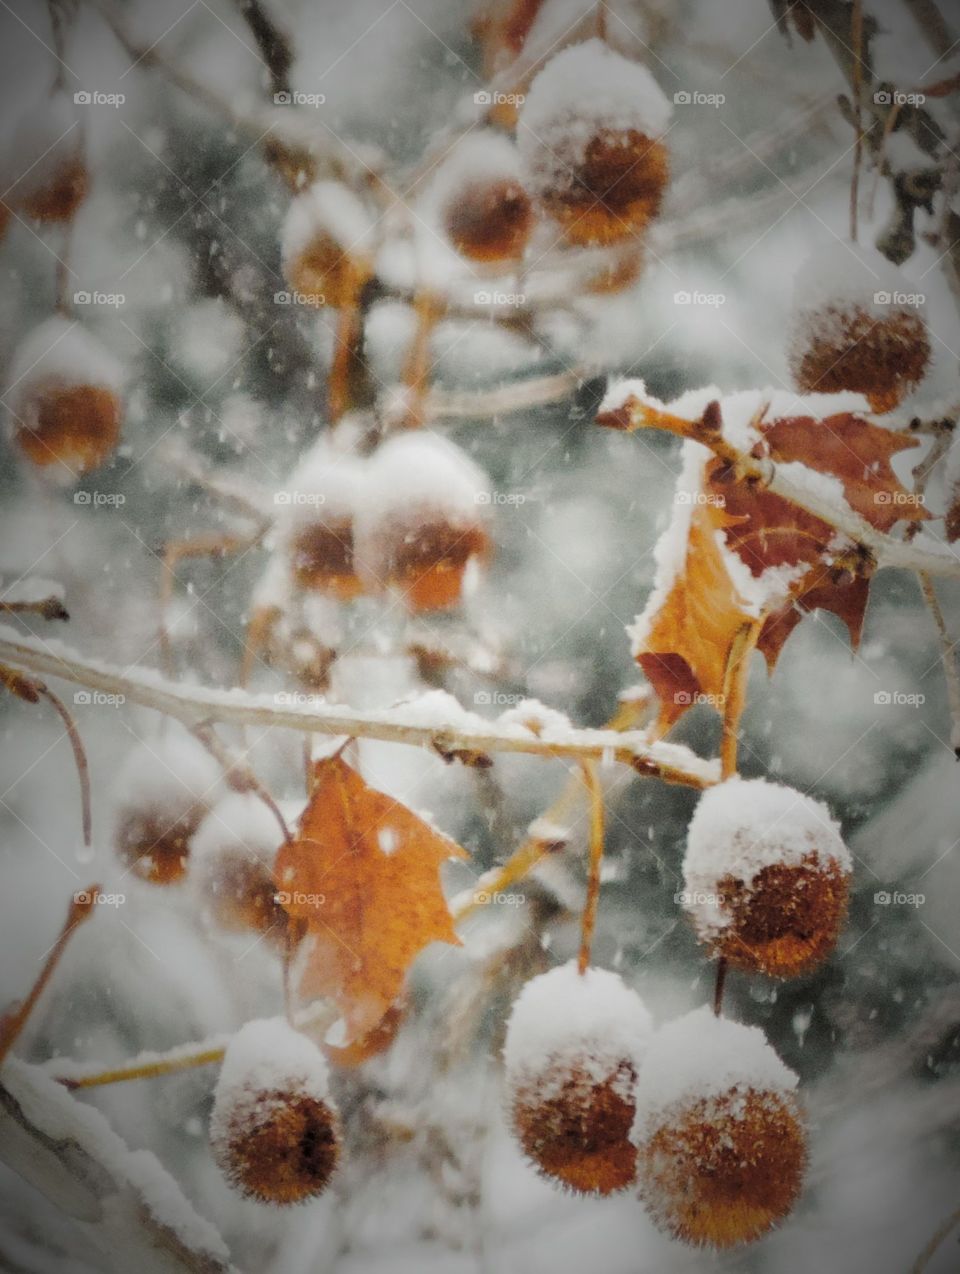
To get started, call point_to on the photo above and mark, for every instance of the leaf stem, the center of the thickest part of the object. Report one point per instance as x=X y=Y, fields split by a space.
x=589 y=922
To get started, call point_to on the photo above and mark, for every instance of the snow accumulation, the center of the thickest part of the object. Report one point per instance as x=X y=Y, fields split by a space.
x=173 y=770
x=591 y=1020
x=325 y=486
x=65 y=1121
x=701 y=1056
x=60 y=353
x=326 y=209
x=585 y=88
x=29 y=589
x=741 y=826
x=845 y=274
x=480 y=158
x=421 y=471
x=40 y=145
x=241 y=822
x=268 y=1055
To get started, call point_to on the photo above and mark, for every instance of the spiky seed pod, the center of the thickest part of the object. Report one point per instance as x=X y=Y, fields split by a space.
x=274 y=1129
x=165 y=789
x=857 y=327
x=766 y=877
x=44 y=167
x=422 y=524
x=326 y=245
x=231 y=866
x=480 y=200
x=721 y=1143
x=64 y=407
x=573 y=1047
x=317 y=521
x=590 y=134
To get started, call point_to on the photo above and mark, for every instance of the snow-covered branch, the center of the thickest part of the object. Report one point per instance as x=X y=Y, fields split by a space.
x=435 y=720
x=123 y=1200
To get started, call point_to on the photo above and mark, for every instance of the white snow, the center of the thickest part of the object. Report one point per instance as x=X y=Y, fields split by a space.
x=170 y=771
x=325 y=486
x=43 y=141
x=847 y=274
x=585 y=88
x=479 y=159
x=59 y=353
x=267 y=1055
x=241 y=823
x=700 y=1056
x=741 y=826
x=326 y=209
x=593 y=1021
x=30 y=589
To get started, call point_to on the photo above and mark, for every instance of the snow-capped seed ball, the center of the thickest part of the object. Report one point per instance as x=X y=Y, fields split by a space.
x=317 y=521
x=421 y=528
x=481 y=203
x=231 y=866
x=589 y=135
x=274 y=1130
x=857 y=326
x=721 y=1143
x=165 y=789
x=64 y=406
x=43 y=166
x=766 y=877
x=326 y=244
x=573 y=1048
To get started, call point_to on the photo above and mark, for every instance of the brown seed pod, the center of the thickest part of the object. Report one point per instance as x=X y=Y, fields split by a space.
x=857 y=327
x=574 y=1045
x=65 y=410
x=166 y=788
x=721 y=1143
x=274 y=1130
x=422 y=523
x=481 y=203
x=231 y=866
x=326 y=245
x=590 y=134
x=766 y=877
x=317 y=522
x=45 y=172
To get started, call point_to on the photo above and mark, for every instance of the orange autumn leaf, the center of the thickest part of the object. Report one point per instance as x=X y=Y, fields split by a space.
x=688 y=636
x=362 y=877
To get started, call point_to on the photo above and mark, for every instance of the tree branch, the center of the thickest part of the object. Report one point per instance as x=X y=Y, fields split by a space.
x=439 y=724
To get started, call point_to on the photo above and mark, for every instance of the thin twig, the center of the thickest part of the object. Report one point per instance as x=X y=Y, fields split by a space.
x=926 y=1256
x=13 y=1022
x=79 y=757
x=589 y=920
x=947 y=657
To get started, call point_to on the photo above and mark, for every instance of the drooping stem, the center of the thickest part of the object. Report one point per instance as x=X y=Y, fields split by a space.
x=735 y=679
x=80 y=760
x=589 y=922
x=13 y=1022
x=428 y=309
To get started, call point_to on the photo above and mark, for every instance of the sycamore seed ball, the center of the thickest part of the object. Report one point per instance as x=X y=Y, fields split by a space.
x=43 y=166
x=318 y=522
x=766 y=877
x=573 y=1047
x=325 y=245
x=422 y=525
x=274 y=1130
x=721 y=1143
x=481 y=202
x=858 y=327
x=590 y=134
x=231 y=866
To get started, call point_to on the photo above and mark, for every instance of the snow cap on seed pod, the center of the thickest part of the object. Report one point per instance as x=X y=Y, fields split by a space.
x=326 y=244
x=316 y=525
x=274 y=1129
x=720 y=1136
x=64 y=406
x=42 y=165
x=422 y=526
x=573 y=1048
x=766 y=877
x=231 y=866
x=589 y=135
x=857 y=325
x=479 y=199
x=164 y=790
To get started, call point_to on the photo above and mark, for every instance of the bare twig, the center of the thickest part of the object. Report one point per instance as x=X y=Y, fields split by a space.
x=589 y=922
x=272 y=43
